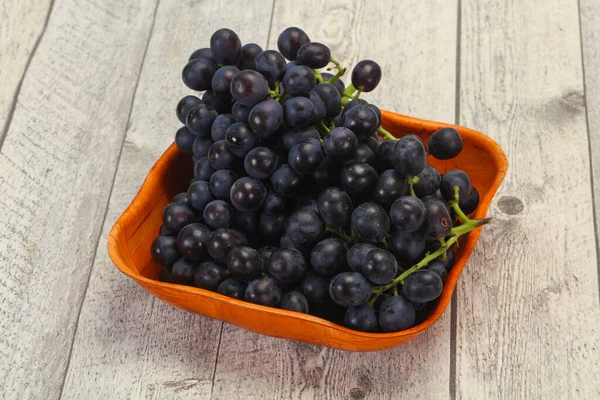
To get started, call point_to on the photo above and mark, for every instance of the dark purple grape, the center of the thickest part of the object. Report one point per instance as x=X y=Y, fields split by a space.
x=221 y=241
x=335 y=207
x=240 y=139
x=176 y=216
x=248 y=194
x=226 y=47
x=200 y=146
x=197 y=74
x=409 y=155
x=260 y=162
x=266 y=117
x=407 y=247
x=249 y=53
x=319 y=108
x=219 y=104
x=422 y=286
x=305 y=226
x=338 y=84
x=293 y=136
x=470 y=202
x=361 y=318
x=265 y=253
x=290 y=41
x=429 y=181
x=249 y=87
x=358 y=180
x=192 y=239
x=390 y=186
x=218 y=214
x=202 y=169
x=340 y=143
x=221 y=80
x=385 y=155
x=240 y=112
x=331 y=97
x=181 y=198
x=184 y=139
x=408 y=214
x=233 y=288
x=439 y=268
x=200 y=119
x=247 y=221
x=287 y=242
x=370 y=222
x=354 y=103
x=185 y=105
x=294 y=301
x=285 y=180
x=328 y=257
x=205 y=53
x=264 y=291
x=450 y=260
x=274 y=203
x=299 y=80
x=220 y=125
x=445 y=143
x=221 y=182
x=287 y=265
x=328 y=174
x=199 y=195
x=314 y=55
x=182 y=272
x=452 y=179
x=361 y=120
x=396 y=313
x=220 y=156
x=366 y=75
x=363 y=154
x=350 y=289
x=244 y=263
x=379 y=266
x=316 y=288
x=271 y=64
x=164 y=250
x=209 y=275
x=438 y=223
x=272 y=226
x=373 y=143
x=298 y=111
x=377 y=112
x=357 y=254
x=306 y=156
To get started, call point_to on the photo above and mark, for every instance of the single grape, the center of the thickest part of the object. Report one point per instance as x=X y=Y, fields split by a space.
x=164 y=250
x=218 y=214
x=379 y=266
x=305 y=226
x=176 y=216
x=362 y=318
x=260 y=162
x=221 y=241
x=200 y=146
x=221 y=182
x=200 y=118
x=219 y=104
x=287 y=265
x=350 y=289
x=182 y=272
x=335 y=207
x=249 y=53
x=298 y=111
x=390 y=186
x=220 y=156
x=266 y=117
x=445 y=143
x=328 y=174
x=209 y=275
x=184 y=139
x=357 y=254
x=264 y=291
x=370 y=222
x=409 y=155
x=181 y=198
x=274 y=203
x=287 y=242
x=249 y=87
x=319 y=108
x=285 y=180
x=205 y=53
x=362 y=155
x=185 y=105
x=165 y=232
x=377 y=112
x=331 y=97
x=354 y=103
x=272 y=226
x=385 y=155
x=438 y=223
x=439 y=268
x=396 y=313
x=361 y=120
x=314 y=55
x=233 y=288
x=226 y=47
x=240 y=112
x=197 y=74
x=202 y=169
x=470 y=202
x=240 y=139
x=422 y=286
x=247 y=194
x=454 y=178
x=338 y=84
x=244 y=263
x=220 y=125
x=306 y=156
x=271 y=64
x=199 y=195
x=373 y=143
x=407 y=247
x=294 y=301
x=328 y=257
x=247 y=222
x=358 y=180
x=366 y=75
x=290 y=41
x=299 y=80
x=316 y=288
x=221 y=80
x=192 y=239
x=340 y=142
x=407 y=213
x=293 y=136
x=429 y=181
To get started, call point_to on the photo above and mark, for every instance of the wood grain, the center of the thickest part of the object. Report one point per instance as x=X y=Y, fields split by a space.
x=58 y=163
x=528 y=316
x=128 y=344
x=415 y=44
x=23 y=24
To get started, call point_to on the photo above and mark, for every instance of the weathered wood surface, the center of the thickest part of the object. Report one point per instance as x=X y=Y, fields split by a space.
x=57 y=165
x=528 y=321
x=129 y=345
x=251 y=366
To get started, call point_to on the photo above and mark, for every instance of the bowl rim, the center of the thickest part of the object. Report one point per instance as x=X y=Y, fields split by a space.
x=124 y=262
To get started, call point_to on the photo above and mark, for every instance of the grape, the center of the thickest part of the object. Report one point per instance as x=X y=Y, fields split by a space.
x=361 y=120
x=205 y=53
x=271 y=64
x=339 y=84
x=328 y=257
x=249 y=87
x=264 y=291
x=328 y=174
x=209 y=275
x=298 y=111
x=164 y=250
x=429 y=181
x=450 y=260
x=272 y=226
x=192 y=239
x=445 y=144
x=184 y=139
x=247 y=194
x=299 y=80
x=226 y=47
x=181 y=198
x=285 y=180
x=422 y=286
x=246 y=221
x=240 y=139
x=244 y=263
x=469 y=203
x=185 y=105
x=240 y=112
x=362 y=318
x=306 y=156
x=220 y=157
x=357 y=254
x=438 y=223
x=407 y=213
x=202 y=169
x=233 y=288
x=370 y=222
x=199 y=195
x=335 y=207
x=221 y=182
x=249 y=53
x=358 y=180
x=218 y=214
x=373 y=143
x=350 y=289
x=221 y=241
x=287 y=265
x=354 y=103
x=304 y=226
x=274 y=203
x=362 y=155
x=331 y=97
x=220 y=125
x=266 y=117
x=409 y=155
x=379 y=266
x=316 y=288
x=294 y=136
x=260 y=162
x=340 y=142
x=182 y=272
x=396 y=313
x=219 y=104
x=176 y=216
x=290 y=65
x=390 y=186
x=439 y=268
x=314 y=55
x=265 y=253
x=221 y=80
x=165 y=232
x=290 y=41
x=385 y=154
x=199 y=119
x=197 y=74
x=200 y=146
x=455 y=178
x=287 y=242
x=319 y=108
x=407 y=247
x=294 y=301
x=366 y=75
x=377 y=112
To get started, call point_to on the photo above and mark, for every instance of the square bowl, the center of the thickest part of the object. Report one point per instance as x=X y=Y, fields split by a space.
x=132 y=235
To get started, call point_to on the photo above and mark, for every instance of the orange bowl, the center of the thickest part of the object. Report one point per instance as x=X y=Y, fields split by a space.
x=130 y=239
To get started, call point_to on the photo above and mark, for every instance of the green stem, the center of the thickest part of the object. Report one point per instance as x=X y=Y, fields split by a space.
x=349 y=91
x=386 y=134
x=322 y=125
x=371 y=302
x=395 y=290
x=340 y=72
x=385 y=242
x=319 y=76
x=412 y=180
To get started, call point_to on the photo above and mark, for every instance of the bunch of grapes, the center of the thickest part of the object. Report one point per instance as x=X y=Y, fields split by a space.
x=300 y=199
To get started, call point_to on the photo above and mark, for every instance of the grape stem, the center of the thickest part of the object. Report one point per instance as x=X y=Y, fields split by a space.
x=412 y=180
x=322 y=125
x=319 y=76
x=386 y=134
x=349 y=91
x=340 y=72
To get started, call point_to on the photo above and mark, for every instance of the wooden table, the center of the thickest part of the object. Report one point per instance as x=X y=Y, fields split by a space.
x=87 y=97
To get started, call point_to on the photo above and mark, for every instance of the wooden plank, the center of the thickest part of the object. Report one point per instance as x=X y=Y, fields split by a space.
x=58 y=163
x=128 y=345
x=528 y=323
x=22 y=27
x=418 y=79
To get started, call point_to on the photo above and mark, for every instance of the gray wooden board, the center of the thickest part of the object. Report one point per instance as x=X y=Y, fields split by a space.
x=57 y=165
x=528 y=322
x=128 y=344
x=415 y=44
